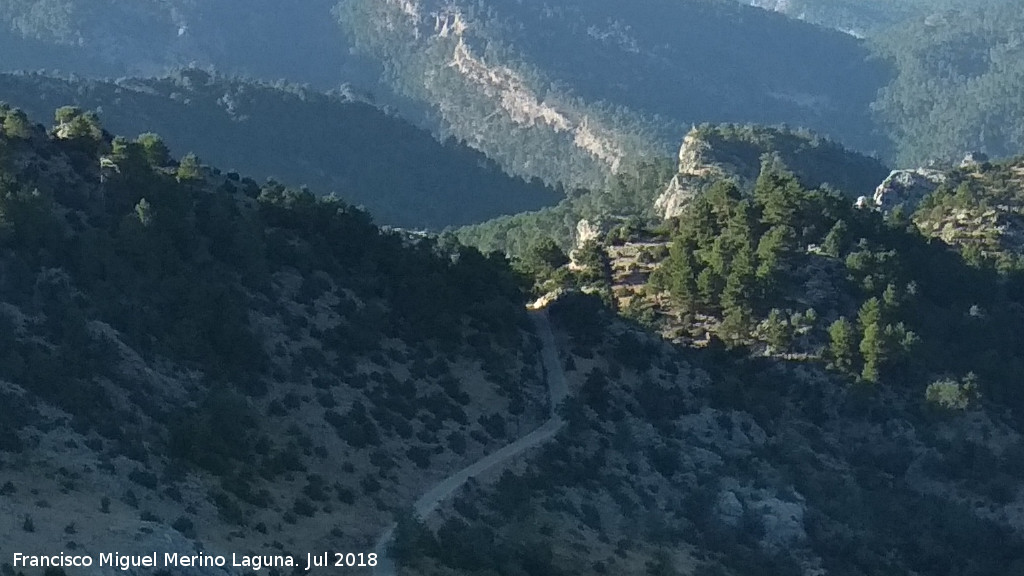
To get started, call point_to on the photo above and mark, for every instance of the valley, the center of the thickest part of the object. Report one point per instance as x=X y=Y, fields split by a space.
x=477 y=288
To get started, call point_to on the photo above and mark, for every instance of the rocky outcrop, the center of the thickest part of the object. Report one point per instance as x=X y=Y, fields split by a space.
x=695 y=167
x=972 y=159
x=906 y=187
x=587 y=231
x=709 y=153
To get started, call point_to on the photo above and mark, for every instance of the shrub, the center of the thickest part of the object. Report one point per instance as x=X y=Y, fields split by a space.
x=185 y=526
x=304 y=507
x=952 y=394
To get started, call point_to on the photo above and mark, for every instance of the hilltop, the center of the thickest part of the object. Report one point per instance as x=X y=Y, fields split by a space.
x=644 y=194
x=333 y=143
x=710 y=153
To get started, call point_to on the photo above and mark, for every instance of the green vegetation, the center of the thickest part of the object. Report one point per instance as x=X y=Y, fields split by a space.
x=870 y=17
x=626 y=482
x=109 y=38
x=956 y=85
x=123 y=246
x=575 y=88
x=895 y=304
x=628 y=198
x=295 y=135
x=738 y=151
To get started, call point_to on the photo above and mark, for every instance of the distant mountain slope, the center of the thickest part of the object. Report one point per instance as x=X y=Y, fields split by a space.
x=564 y=91
x=957 y=85
x=400 y=173
x=262 y=38
x=867 y=17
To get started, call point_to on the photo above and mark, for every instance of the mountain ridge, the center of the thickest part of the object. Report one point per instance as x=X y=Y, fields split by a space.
x=331 y=142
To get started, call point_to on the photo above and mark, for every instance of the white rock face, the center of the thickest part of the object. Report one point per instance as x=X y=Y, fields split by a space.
x=685 y=184
x=674 y=199
x=907 y=187
x=586 y=231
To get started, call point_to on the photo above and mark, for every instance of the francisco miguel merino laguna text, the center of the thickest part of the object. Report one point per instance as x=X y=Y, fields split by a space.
x=126 y=561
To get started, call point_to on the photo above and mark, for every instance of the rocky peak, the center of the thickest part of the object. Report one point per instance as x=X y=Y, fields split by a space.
x=906 y=187
x=712 y=152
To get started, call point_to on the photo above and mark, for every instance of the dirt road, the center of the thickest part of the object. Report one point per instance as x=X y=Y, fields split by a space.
x=557 y=391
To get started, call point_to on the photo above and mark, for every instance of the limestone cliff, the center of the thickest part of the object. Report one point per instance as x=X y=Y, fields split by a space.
x=711 y=152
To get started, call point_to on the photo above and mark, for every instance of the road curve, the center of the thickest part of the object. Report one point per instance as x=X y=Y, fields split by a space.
x=431 y=499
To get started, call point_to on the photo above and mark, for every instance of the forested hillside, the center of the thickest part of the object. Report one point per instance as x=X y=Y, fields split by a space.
x=869 y=17
x=189 y=355
x=257 y=316
x=957 y=85
x=571 y=92
x=265 y=39
x=644 y=194
x=330 y=142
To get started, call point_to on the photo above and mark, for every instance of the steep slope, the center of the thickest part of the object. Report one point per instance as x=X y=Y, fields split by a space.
x=868 y=17
x=700 y=462
x=192 y=361
x=331 y=142
x=429 y=502
x=257 y=38
x=571 y=91
x=955 y=85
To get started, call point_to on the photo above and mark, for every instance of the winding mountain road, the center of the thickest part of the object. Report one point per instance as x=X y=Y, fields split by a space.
x=431 y=499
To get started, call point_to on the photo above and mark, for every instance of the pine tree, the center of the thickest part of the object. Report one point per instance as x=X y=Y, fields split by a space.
x=870 y=314
x=723 y=197
x=772 y=250
x=188 y=168
x=157 y=153
x=739 y=285
x=778 y=193
x=544 y=257
x=17 y=125
x=841 y=344
x=736 y=322
x=709 y=286
x=836 y=240
x=891 y=298
x=873 y=347
x=144 y=212
x=778 y=331
x=681 y=274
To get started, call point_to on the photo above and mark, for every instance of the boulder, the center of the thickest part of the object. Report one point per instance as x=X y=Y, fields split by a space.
x=587 y=231
x=907 y=187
